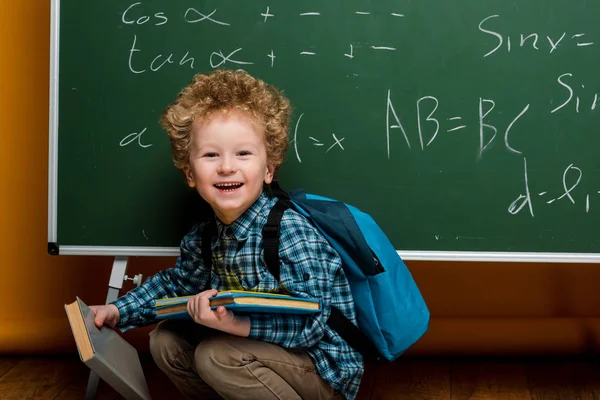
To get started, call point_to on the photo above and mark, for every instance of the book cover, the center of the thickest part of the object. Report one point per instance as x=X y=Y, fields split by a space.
x=240 y=301
x=105 y=352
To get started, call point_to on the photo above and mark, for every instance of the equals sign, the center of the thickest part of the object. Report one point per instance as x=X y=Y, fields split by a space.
x=457 y=127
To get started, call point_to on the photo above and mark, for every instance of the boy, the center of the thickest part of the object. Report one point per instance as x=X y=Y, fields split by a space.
x=229 y=135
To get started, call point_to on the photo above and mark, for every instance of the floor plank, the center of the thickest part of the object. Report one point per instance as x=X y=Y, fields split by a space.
x=413 y=378
x=37 y=378
x=159 y=385
x=571 y=379
x=77 y=385
x=474 y=379
x=6 y=364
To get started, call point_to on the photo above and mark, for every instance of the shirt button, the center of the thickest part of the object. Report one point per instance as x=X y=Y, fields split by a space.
x=306 y=277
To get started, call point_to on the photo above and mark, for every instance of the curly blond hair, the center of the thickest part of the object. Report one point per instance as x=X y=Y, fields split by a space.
x=224 y=90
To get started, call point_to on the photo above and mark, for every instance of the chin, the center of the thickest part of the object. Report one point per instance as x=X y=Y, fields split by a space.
x=231 y=208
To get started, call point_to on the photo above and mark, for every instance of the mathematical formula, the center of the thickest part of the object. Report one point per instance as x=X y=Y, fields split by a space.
x=140 y=62
x=571 y=179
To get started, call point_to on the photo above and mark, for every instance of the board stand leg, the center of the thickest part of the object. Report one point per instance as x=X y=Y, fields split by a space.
x=117 y=276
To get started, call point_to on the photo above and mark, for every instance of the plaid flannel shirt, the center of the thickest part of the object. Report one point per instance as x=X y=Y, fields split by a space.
x=310 y=267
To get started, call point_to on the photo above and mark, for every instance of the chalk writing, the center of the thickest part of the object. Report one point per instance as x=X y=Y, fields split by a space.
x=523 y=199
x=227 y=58
x=127 y=17
x=134 y=16
x=487 y=131
x=194 y=16
x=316 y=141
x=158 y=61
x=497 y=128
x=563 y=82
x=337 y=142
x=266 y=14
x=571 y=179
x=456 y=128
x=483 y=125
x=271 y=55
x=397 y=125
x=133 y=137
x=429 y=119
x=528 y=39
x=351 y=55
x=294 y=141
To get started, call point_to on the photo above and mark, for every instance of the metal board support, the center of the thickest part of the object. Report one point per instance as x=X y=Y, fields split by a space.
x=115 y=284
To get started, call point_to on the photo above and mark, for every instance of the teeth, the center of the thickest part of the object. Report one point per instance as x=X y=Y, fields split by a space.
x=228 y=187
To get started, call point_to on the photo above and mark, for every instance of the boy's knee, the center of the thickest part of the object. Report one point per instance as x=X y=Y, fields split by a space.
x=165 y=344
x=216 y=356
x=159 y=337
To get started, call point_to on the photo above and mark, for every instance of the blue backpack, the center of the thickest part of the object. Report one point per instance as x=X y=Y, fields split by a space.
x=390 y=310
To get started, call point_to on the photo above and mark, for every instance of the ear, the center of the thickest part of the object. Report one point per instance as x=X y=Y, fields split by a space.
x=269 y=174
x=189 y=176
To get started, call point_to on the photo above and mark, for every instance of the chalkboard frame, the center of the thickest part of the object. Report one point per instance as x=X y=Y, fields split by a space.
x=65 y=249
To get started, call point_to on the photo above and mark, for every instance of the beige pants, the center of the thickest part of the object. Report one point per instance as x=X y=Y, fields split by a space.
x=206 y=364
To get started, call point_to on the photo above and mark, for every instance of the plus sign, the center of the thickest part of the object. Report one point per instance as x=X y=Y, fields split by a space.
x=272 y=57
x=267 y=15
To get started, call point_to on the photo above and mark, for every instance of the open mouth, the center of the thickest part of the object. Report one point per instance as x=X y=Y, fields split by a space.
x=228 y=187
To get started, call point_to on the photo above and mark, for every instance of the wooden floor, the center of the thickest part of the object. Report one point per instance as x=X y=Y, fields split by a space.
x=570 y=378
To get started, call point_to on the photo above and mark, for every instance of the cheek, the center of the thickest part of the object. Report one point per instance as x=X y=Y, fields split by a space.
x=200 y=169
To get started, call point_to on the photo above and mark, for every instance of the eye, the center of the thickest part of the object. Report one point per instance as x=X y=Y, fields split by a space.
x=244 y=153
x=210 y=155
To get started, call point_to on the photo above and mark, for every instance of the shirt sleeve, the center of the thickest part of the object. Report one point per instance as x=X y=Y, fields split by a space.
x=310 y=268
x=187 y=277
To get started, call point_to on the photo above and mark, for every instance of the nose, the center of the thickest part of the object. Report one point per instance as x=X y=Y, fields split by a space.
x=226 y=166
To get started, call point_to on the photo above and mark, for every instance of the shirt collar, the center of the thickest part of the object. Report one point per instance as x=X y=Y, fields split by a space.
x=240 y=228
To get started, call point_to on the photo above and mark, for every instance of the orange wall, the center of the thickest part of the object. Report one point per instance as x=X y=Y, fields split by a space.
x=477 y=308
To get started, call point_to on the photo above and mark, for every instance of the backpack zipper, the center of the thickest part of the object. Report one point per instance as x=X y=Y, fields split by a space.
x=378 y=267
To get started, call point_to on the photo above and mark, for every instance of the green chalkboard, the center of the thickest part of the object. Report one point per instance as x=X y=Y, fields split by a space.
x=460 y=125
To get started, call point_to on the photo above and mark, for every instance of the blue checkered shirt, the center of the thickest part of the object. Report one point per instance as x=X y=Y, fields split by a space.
x=310 y=267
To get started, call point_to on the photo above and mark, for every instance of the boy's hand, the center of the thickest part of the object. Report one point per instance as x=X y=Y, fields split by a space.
x=106 y=315
x=221 y=318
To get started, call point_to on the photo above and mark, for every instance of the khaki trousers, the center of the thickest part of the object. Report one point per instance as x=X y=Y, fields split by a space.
x=207 y=364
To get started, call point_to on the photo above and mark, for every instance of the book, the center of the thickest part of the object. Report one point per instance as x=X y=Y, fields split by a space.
x=240 y=301
x=106 y=353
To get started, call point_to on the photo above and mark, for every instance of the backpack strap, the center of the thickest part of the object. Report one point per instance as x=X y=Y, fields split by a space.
x=207 y=234
x=337 y=320
x=353 y=335
x=271 y=232
x=277 y=191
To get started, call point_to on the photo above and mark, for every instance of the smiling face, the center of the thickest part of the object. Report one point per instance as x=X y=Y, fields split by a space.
x=228 y=163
